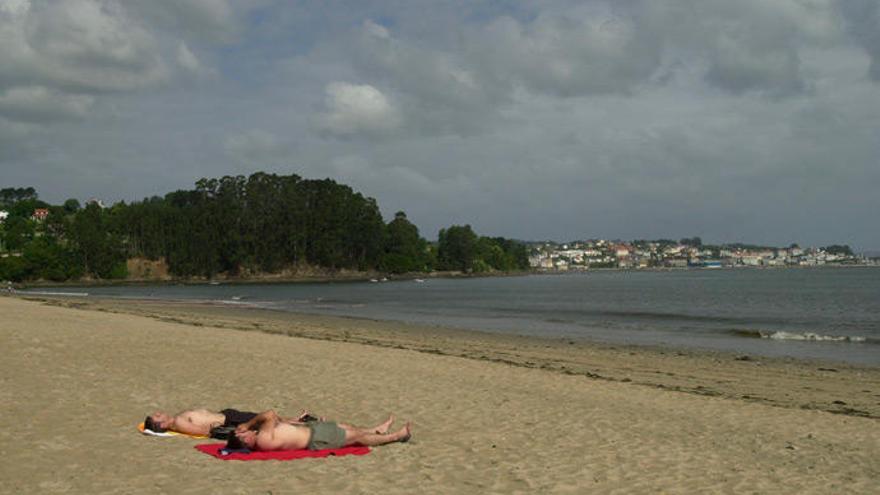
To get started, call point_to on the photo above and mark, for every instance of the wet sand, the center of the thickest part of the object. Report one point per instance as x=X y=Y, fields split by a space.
x=492 y=413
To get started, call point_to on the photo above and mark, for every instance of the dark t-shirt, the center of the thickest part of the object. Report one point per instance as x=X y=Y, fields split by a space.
x=234 y=417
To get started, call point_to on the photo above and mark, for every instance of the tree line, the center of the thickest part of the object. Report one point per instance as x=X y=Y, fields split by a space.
x=234 y=226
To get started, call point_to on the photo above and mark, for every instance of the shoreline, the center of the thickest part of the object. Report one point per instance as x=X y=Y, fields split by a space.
x=768 y=380
x=353 y=277
x=267 y=280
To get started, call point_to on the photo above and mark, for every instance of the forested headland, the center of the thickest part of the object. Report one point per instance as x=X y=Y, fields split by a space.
x=233 y=227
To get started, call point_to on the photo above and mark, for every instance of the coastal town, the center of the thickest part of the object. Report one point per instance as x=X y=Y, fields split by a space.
x=686 y=253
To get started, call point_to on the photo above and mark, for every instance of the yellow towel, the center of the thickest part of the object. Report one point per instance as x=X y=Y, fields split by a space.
x=166 y=433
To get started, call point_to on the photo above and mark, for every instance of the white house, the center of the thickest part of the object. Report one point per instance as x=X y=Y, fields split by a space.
x=621 y=251
x=3 y=215
x=40 y=214
x=750 y=260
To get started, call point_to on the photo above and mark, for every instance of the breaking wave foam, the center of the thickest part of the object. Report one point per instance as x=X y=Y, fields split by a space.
x=801 y=336
x=810 y=336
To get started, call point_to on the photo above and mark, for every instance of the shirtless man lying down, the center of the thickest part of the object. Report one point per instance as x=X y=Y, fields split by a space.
x=200 y=421
x=268 y=431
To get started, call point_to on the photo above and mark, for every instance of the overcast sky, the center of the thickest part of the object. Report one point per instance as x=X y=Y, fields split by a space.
x=747 y=120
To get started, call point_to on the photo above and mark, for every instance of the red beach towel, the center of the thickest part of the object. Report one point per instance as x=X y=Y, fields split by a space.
x=213 y=449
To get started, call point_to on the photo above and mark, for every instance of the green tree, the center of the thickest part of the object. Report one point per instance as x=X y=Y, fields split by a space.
x=12 y=195
x=498 y=253
x=405 y=251
x=457 y=248
x=13 y=268
x=72 y=206
x=18 y=232
x=99 y=250
x=840 y=250
x=264 y=222
x=45 y=259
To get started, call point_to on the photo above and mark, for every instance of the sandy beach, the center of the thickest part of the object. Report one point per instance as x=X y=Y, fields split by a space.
x=492 y=413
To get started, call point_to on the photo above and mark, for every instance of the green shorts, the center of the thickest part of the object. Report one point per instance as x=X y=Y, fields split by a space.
x=326 y=435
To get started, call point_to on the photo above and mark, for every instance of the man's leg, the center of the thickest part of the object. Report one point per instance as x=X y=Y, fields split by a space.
x=381 y=428
x=372 y=439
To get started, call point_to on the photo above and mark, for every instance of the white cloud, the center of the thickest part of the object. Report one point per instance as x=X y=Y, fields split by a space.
x=438 y=92
x=14 y=7
x=38 y=104
x=376 y=30
x=56 y=57
x=353 y=109
x=188 y=60
x=578 y=53
x=89 y=46
x=59 y=58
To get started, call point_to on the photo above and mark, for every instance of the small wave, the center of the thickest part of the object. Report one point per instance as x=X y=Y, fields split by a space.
x=233 y=301
x=800 y=336
x=812 y=337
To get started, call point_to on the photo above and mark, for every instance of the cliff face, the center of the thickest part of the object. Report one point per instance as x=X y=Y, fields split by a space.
x=146 y=270
x=143 y=269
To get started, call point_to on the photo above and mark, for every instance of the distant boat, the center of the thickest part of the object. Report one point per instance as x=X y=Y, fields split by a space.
x=384 y=279
x=419 y=280
x=373 y=280
x=213 y=282
x=236 y=298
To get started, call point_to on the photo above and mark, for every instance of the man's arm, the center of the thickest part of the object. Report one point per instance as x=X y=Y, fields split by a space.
x=266 y=434
x=303 y=419
x=259 y=422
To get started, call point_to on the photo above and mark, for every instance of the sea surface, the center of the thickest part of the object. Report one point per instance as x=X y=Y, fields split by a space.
x=831 y=314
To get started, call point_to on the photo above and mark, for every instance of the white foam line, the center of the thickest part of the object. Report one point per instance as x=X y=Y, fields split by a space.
x=813 y=337
x=48 y=293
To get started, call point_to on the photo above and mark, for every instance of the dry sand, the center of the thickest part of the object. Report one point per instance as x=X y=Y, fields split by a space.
x=492 y=414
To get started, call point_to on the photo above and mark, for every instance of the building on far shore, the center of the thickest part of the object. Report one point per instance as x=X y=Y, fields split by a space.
x=584 y=255
x=40 y=214
x=3 y=215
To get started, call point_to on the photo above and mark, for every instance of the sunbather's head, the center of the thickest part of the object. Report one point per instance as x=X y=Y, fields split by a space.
x=245 y=440
x=158 y=422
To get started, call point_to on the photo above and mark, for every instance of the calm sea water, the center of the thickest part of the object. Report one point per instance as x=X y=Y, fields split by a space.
x=829 y=314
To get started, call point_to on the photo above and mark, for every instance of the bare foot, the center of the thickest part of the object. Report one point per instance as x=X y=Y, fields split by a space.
x=383 y=428
x=407 y=432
